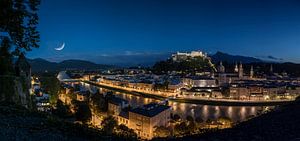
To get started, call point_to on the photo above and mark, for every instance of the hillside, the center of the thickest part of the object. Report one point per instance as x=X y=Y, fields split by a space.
x=220 y=56
x=282 y=124
x=41 y=65
x=191 y=66
x=17 y=123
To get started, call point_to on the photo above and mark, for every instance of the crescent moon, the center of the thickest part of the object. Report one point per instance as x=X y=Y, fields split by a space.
x=61 y=47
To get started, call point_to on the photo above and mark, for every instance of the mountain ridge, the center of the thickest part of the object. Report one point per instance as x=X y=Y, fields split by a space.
x=225 y=57
x=41 y=65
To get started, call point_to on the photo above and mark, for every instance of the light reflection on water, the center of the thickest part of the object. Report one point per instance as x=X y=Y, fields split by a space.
x=235 y=113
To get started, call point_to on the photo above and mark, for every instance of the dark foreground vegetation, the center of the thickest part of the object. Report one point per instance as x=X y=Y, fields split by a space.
x=18 y=123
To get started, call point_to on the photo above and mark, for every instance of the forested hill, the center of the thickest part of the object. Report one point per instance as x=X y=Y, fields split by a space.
x=41 y=65
x=193 y=65
x=220 y=56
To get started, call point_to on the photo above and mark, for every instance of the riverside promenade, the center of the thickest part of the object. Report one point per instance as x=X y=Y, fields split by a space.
x=205 y=101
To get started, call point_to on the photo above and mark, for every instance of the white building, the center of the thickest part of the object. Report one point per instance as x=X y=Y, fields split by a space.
x=180 y=56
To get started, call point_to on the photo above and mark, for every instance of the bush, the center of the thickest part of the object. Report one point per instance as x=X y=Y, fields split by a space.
x=161 y=132
x=108 y=125
x=83 y=112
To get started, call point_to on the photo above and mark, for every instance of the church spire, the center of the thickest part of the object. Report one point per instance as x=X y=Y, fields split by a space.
x=251 y=72
x=271 y=68
x=241 y=70
x=236 y=69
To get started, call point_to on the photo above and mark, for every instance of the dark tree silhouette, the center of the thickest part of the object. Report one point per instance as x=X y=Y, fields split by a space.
x=162 y=132
x=126 y=133
x=5 y=57
x=109 y=124
x=62 y=110
x=18 y=22
x=83 y=112
x=175 y=117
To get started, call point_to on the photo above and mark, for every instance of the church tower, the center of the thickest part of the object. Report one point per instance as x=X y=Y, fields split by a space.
x=251 y=72
x=271 y=68
x=241 y=71
x=236 y=69
x=221 y=68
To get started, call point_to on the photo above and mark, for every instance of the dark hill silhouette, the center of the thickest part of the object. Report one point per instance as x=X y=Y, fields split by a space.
x=220 y=56
x=41 y=65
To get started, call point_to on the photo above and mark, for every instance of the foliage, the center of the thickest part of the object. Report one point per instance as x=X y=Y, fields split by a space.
x=175 y=117
x=181 y=128
x=126 y=133
x=224 y=120
x=189 y=118
x=199 y=120
x=209 y=121
x=82 y=112
x=7 y=92
x=32 y=125
x=191 y=126
x=51 y=85
x=98 y=103
x=161 y=131
x=192 y=66
x=6 y=67
x=109 y=124
x=62 y=110
x=18 y=22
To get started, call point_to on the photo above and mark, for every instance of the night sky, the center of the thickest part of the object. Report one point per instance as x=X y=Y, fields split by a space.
x=112 y=30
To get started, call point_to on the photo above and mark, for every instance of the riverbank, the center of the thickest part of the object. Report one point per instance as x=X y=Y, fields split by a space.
x=278 y=125
x=216 y=102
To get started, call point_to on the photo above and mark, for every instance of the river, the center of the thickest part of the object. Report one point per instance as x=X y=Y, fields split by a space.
x=235 y=113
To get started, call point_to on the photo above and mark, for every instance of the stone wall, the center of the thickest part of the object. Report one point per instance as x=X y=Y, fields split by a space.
x=15 y=90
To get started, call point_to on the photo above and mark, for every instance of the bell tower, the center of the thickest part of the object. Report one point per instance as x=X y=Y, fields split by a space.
x=241 y=70
x=251 y=72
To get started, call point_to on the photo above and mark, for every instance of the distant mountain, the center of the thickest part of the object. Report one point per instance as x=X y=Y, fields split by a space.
x=220 y=56
x=41 y=65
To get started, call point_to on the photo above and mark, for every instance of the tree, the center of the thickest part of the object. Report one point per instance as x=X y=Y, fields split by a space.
x=5 y=57
x=199 y=120
x=209 y=121
x=83 y=112
x=189 y=118
x=188 y=66
x=175 y=117
x=191 y=126
x=126 y=133
x=161 y=132
x=109 y=124
x=225 y=120
x=98 y=103
x=181 y=128
x=190 y=123
x=62 y=110
x=18 y=23
x=51 y=85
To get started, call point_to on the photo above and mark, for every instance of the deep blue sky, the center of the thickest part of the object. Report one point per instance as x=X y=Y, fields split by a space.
x=99 y=30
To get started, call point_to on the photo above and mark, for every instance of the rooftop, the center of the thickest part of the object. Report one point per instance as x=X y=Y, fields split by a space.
x=117 y=101
x=150 y=110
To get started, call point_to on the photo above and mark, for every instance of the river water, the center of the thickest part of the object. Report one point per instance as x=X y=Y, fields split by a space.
x=235 y=113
